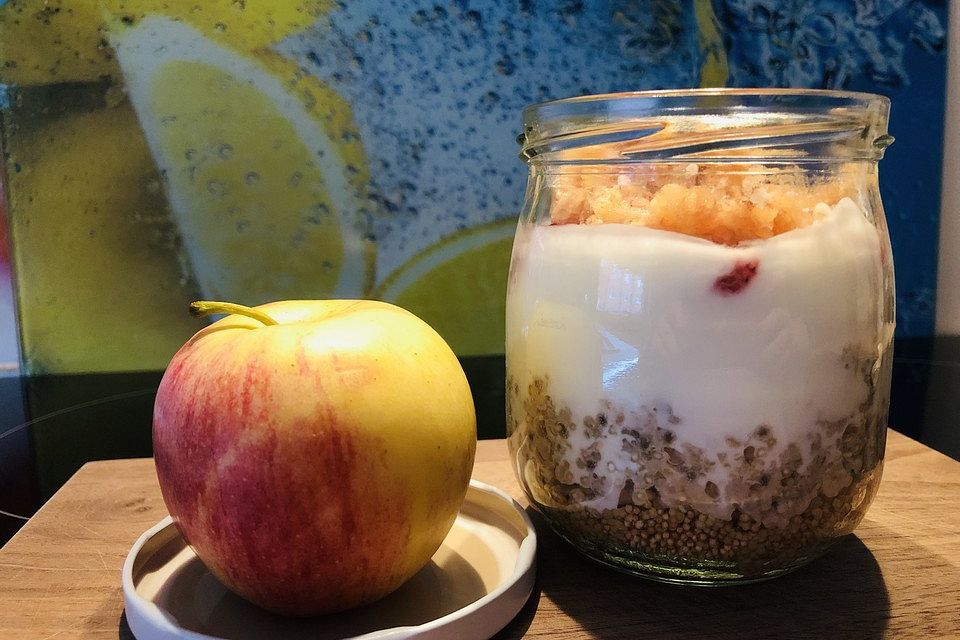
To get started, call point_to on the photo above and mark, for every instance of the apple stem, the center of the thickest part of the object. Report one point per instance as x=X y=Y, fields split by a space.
x=202 y=308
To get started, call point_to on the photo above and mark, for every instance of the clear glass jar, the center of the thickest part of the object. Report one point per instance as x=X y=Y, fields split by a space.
x=700 y=316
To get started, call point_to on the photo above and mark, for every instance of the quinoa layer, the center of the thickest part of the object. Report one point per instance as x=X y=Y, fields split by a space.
x=754 y=504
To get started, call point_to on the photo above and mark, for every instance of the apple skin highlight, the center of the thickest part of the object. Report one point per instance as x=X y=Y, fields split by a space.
x=317 y=464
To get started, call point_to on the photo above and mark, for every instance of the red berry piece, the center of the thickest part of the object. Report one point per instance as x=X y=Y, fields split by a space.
x=739 y=277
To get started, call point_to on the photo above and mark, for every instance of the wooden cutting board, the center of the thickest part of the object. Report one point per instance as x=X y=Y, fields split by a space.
x=898 y=577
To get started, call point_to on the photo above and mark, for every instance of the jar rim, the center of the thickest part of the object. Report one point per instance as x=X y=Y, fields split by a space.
x=716 y=125
x=863 y=97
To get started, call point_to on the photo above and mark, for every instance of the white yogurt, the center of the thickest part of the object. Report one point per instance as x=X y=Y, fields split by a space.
x=632 y=315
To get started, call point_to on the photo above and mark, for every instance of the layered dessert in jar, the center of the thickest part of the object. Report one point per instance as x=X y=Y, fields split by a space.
x=698 y=363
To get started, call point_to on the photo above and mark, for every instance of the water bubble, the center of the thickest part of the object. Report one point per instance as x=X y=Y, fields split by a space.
x=225 y=151
x=221 y=27
x=216 y=188
x=114 y=96
x=295 y=179
x=490 y=98
x=419 y=17
x=251 y=178
x=243 y=225
x=190 y=154
x=505 y=66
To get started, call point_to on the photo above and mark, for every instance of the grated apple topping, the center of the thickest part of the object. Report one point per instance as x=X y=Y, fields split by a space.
x=721 y=203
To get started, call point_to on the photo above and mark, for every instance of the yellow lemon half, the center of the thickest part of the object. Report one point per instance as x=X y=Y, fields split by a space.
x=458 y=286
x=263 y=188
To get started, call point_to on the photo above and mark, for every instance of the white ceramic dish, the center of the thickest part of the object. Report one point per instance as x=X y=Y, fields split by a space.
x=473 y=586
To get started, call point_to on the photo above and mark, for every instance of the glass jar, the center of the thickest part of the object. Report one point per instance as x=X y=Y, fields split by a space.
x=700 y=314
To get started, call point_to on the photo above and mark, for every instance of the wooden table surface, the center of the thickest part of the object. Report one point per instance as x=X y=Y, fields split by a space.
x=898 y=577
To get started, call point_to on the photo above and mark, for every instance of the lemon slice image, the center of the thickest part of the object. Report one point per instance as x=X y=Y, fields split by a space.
x=715 y=69
x=265 y=200
x=102 y=291
x=47 y=41
x=458 y=286
x=44 y=41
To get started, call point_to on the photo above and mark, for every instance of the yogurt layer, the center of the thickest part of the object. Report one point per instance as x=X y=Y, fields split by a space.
x=785 y=335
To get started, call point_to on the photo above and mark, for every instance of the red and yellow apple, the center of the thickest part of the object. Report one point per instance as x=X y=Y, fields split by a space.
x=314 y=454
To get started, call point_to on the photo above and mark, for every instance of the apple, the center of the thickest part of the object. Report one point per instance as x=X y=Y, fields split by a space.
x=314 y=454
